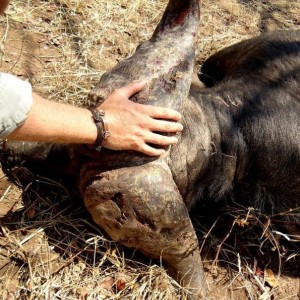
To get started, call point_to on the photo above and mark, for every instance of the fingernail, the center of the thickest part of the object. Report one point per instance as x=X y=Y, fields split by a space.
x=175 y=140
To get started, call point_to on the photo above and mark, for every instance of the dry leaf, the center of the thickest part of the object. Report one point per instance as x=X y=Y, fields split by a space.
x=82 y=293
x=259 y=272
x=121 y=279
x=106 y=283
x=31 y=212
x=241 y=222
x=271 y=278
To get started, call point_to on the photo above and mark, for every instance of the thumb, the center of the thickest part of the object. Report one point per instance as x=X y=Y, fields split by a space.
x=132 y=88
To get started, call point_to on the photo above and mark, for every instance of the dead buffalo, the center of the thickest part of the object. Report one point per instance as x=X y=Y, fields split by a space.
x=241 y=142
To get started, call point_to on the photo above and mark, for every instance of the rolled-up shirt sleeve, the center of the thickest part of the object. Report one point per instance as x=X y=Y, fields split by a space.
x=15 y=103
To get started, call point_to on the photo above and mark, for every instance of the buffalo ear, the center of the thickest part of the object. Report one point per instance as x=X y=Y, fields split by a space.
x=196 y=82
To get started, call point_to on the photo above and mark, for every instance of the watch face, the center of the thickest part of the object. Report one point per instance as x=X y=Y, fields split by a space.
x=3 y=5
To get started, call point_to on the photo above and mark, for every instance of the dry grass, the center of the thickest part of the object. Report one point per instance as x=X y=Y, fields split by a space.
x=71 y=43
x=51 y=246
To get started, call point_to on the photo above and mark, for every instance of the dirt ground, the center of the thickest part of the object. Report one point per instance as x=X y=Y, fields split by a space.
x=49 y=246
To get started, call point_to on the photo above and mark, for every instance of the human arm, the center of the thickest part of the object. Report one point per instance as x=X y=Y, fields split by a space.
x=131 y=125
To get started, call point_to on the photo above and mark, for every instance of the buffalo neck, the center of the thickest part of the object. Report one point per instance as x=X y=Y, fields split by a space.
x=221 y=147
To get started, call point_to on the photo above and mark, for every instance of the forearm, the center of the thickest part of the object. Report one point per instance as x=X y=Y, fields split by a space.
x=132 y=126
x=49 y=121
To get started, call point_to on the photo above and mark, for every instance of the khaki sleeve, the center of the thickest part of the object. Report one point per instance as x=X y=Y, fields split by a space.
x=15 y=103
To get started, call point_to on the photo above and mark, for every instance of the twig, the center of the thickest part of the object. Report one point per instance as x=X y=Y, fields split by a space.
x=5 y=193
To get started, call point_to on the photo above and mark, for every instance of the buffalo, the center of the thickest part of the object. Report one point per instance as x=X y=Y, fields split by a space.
x=240 y=143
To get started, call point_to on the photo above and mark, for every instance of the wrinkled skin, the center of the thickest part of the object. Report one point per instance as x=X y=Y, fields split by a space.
x=118 y=187
x=133 y=197
x=254 y=112
x=241 y=144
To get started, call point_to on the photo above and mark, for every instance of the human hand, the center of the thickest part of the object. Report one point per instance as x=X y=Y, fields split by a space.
x=134 y=126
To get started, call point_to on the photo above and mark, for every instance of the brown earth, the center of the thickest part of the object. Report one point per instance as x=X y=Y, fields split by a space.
x=49 y=247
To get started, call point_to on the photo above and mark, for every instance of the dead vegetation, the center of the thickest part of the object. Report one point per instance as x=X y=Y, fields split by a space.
x=49 y=247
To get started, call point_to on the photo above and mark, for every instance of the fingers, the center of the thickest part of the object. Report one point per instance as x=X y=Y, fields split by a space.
x=161 y=140
x=148 y=150
x=165 y=126
x=155 y=139
x=158 y=140
x=156 y=112
x=153 y=111
x=137 y=126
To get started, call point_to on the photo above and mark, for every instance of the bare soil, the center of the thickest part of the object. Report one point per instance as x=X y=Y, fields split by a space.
x=49 y=246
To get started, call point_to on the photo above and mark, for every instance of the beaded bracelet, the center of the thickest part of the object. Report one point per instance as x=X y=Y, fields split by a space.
x=102 y=129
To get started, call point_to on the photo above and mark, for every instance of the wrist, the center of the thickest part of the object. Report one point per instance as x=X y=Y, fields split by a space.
x=98 y=116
